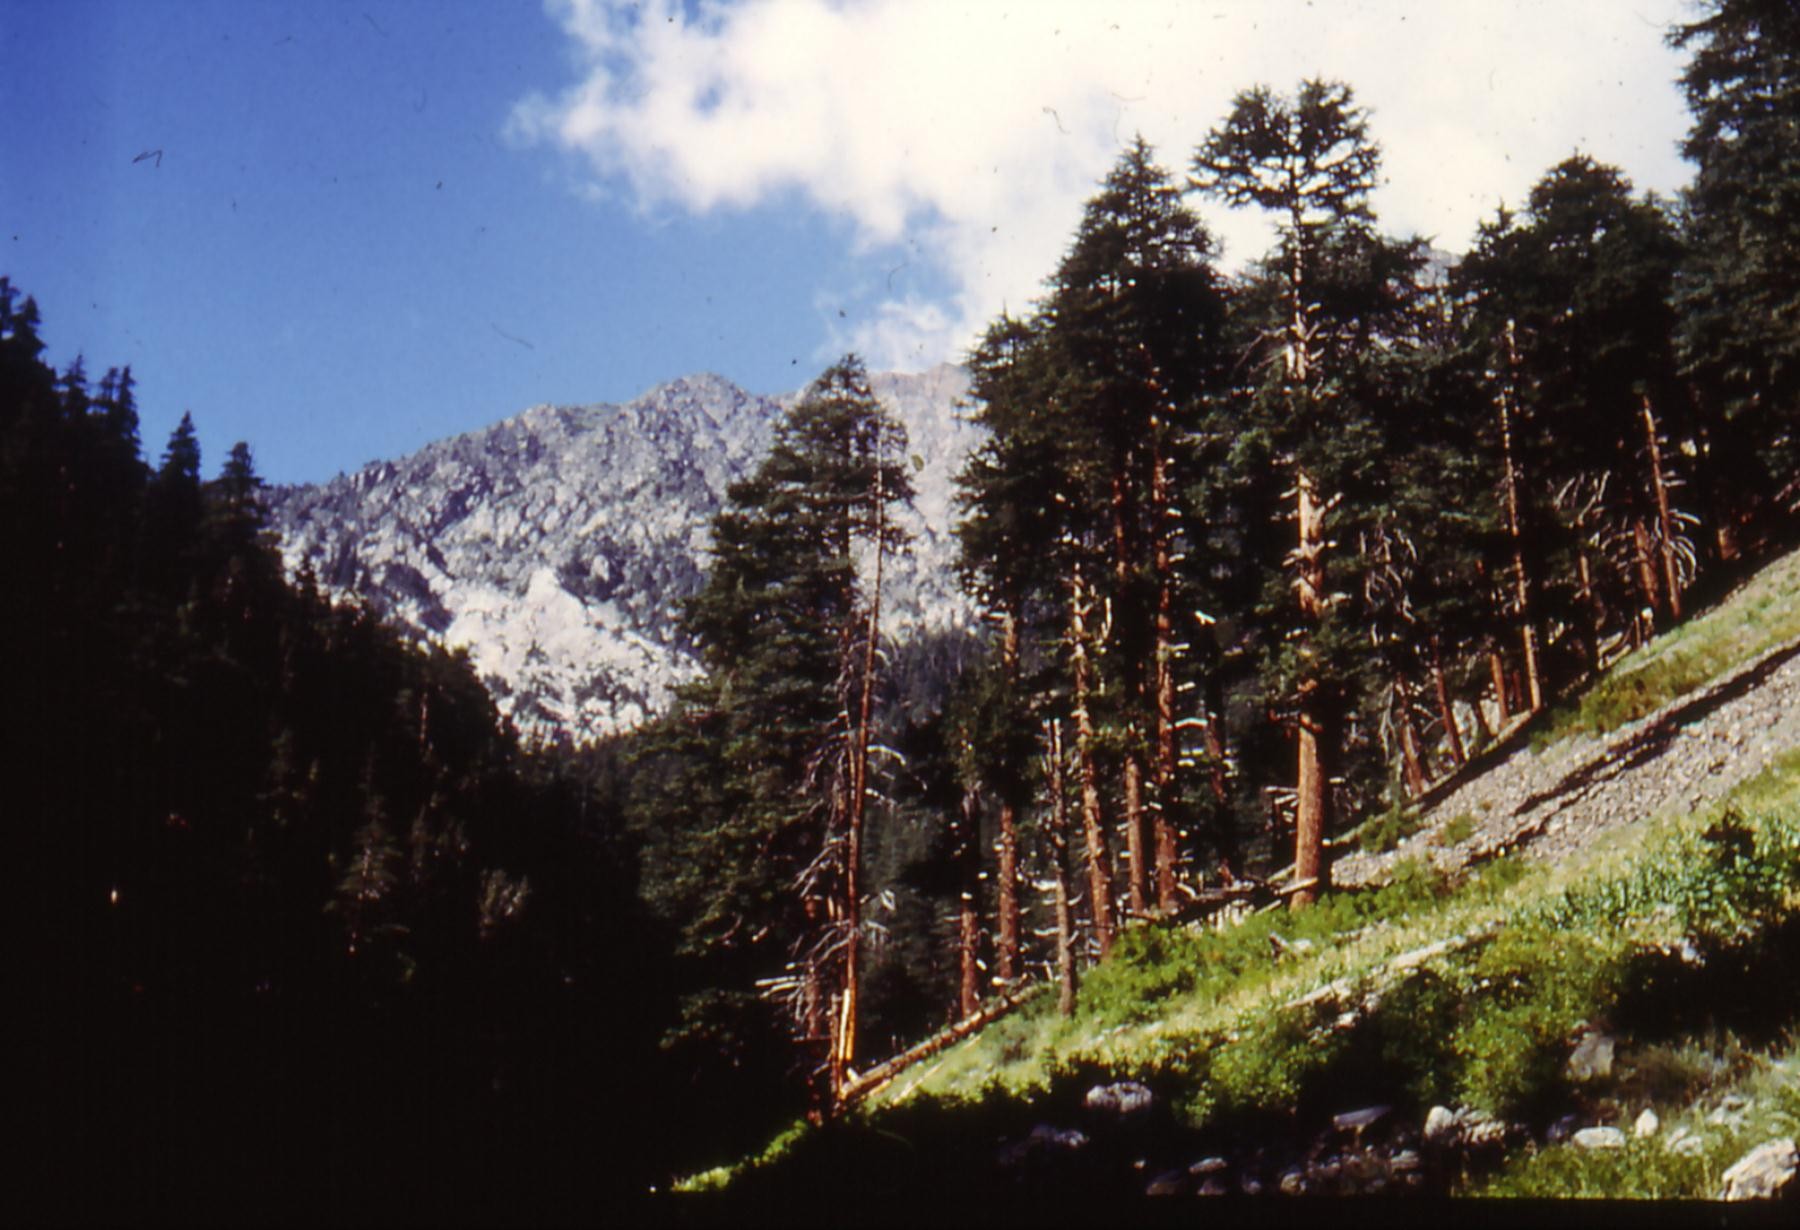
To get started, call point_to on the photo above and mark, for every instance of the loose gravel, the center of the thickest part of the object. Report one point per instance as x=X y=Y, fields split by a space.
x=1553 y=802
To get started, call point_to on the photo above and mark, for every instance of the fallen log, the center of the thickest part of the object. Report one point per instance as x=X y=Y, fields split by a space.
x=882 y=1073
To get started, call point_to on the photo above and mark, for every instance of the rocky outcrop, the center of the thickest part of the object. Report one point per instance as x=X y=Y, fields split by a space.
x=556 y=546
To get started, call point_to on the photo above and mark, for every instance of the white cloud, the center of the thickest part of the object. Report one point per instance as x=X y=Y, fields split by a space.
x=973 y=131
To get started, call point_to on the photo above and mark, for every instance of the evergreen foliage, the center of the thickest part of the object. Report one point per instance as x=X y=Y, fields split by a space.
x=292 y=900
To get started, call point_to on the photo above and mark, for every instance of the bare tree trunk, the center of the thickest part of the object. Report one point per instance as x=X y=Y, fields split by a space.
x=1497 y=667
x=1007 y=903
x=1138 y=878
x=1522 y=582
x=1596 y=611
x=1412 y=765
x=968 y=925
x=1664 y=517
x=1446 y=711
x=843 y=1052
x=1649 y=579
x=1166 y=751
x=1310 y=784
x=1099 y=858
x=1059 y=857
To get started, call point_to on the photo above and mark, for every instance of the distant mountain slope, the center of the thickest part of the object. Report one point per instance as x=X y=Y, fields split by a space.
x=556 y=544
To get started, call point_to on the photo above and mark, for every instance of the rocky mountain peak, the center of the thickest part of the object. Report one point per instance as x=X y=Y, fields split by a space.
x=555 y=545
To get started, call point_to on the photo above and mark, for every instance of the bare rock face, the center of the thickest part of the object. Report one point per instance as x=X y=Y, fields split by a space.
x=556 y=546
x=1765 y=1173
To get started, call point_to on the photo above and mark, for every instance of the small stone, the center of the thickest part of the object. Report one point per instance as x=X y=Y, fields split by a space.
x=1647 y=1125
x=1442 y=1127
x=1208 y=1165
x=1124 y=1100
x=1293 y=1183
x=1764 y=1173
x=1404 y=1162
x=1212 y=1187
x=1250 y=1185
x=1168 y=1183
x=1599 y=1138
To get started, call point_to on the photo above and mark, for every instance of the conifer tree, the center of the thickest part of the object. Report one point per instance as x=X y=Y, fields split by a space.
x=778 y=732
x=1308 y=160
x=1739 y=289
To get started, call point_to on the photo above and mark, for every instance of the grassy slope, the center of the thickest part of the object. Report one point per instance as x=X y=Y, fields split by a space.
x=1672 y=933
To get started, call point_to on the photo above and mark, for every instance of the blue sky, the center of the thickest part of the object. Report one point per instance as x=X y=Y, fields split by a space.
x=376 y=223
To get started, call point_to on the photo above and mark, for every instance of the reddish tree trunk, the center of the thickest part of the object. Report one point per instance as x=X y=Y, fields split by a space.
x=1446 y=711
x=1514 y=528
x=1411 y=764
x=1167 y=753
x=1007 y=902
x=1059 y=858
x=1093 y=825
x=1311 y=786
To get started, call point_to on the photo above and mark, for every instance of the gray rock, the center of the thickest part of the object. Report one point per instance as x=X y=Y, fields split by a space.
x=1764 y=1173
x=1442 y=1128
x=1250 y=1185
x=1647 y=1125
x=1293 y=1183
x=1405 y=1162
x=1357 y=1120
x=1168 y=1183
x=1599 y=1138
x=1592 y=1059
x=1213 y=1187
x=1044 y=1140
x=1124 y=1101
x=1208 y=1165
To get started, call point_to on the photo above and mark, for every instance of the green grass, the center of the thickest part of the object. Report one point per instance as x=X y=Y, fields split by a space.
x=1455 y=831
x=1762 y=615
x=1490 y=1022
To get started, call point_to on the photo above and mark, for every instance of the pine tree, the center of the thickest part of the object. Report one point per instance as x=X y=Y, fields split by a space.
x=778 y=732
x=1310 y=161
x=1568 y=307
x=1739 y=290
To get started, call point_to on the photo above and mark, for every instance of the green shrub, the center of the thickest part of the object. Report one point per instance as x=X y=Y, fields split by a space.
x=1389 y=829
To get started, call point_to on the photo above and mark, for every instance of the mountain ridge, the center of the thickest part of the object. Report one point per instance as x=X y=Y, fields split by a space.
x=556 y=544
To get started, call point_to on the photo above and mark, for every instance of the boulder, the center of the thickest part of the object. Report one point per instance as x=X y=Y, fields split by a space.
x=1764 y=1173
x=1599 y=1138
x=1442 y=1128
